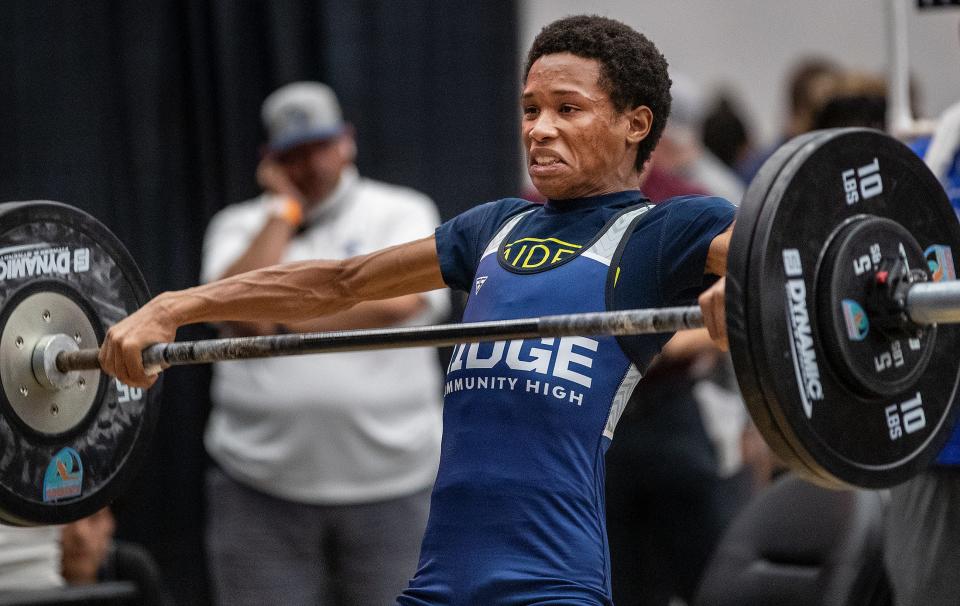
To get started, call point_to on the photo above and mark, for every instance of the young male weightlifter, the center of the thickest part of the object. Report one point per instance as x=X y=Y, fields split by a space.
x=517 y=513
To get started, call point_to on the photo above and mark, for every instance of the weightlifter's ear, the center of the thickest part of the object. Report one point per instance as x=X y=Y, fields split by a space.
x=640 y=120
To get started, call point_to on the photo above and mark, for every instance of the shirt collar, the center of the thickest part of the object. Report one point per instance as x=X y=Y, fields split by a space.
x=575 y=204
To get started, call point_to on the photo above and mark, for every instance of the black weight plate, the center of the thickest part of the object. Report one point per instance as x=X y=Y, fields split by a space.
x=738 y=289
x=53 y=478
x=846 y=438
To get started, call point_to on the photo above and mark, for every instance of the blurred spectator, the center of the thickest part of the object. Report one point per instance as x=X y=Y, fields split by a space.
x=92 y=555
x=811 y=82
x=324 y=464
x=659 y=184
x=680 y=151
x=80 y=553
x=858 y=99
x=85 y=545
x=30 y=558
x=724 y=132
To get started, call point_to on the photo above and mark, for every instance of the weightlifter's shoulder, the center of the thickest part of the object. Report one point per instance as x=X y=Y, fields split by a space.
x=695 y=208
x=461 y=240
x=481 y=221
x=686 y=222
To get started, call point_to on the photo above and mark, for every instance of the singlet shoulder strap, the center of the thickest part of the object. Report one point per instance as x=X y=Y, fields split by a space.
x=494 y=244
x=605 y=247
x=621 y=398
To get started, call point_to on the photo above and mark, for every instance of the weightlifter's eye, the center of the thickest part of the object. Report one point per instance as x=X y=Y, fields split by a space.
x=530 y=110
x=566 y=108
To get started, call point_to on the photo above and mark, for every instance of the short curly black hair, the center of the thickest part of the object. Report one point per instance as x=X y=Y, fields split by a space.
x=632 y=70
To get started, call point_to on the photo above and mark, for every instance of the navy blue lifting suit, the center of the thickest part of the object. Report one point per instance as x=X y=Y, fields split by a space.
x=517 y=515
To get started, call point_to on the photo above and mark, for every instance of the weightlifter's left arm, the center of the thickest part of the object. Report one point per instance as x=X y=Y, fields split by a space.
x=286 y=293
x=712 y=300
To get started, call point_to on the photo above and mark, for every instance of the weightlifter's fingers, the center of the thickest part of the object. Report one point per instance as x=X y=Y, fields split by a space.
x=111 y=357
x=107 y=357
x=132 y=363
x=121 y=354
x=713 y=306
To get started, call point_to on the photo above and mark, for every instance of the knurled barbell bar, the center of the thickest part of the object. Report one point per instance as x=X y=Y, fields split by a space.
x=840 y=314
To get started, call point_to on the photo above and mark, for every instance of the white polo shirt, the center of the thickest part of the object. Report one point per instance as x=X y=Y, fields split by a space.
x=30 y=558
x=330 y=428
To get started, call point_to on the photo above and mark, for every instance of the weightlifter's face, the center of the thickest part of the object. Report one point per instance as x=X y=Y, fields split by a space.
x=577 y=143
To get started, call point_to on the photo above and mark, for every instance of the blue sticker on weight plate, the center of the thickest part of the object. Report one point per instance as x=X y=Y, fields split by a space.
x=64 y=476
x=856 y=320
x=940 y=262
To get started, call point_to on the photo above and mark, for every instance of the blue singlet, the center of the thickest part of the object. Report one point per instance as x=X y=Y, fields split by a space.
x=517 y=513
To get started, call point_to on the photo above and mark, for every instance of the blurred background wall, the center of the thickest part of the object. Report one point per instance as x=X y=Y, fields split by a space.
x=748 y=46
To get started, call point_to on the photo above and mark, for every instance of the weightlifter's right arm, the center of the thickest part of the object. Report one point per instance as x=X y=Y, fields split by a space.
x=282 y=293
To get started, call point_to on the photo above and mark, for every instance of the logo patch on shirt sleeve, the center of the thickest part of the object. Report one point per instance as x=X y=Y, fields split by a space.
x=480 y=282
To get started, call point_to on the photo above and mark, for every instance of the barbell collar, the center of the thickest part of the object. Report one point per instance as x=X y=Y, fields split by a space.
x=613 y=323
x=934 y=302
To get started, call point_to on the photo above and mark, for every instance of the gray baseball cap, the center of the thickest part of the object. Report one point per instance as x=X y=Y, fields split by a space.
x=301 y=112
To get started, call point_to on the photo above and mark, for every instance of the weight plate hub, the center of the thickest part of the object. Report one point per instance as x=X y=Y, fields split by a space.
x=875 y=359
x=821 y=405
x=46 y=308
x=64 y=453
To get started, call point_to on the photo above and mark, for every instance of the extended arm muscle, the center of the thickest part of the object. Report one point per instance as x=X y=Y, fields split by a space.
x=294 y=292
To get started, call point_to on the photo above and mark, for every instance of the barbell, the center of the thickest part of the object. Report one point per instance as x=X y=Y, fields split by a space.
x=840 y=315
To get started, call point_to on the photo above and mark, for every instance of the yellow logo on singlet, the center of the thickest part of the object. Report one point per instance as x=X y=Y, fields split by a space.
x=534 y=253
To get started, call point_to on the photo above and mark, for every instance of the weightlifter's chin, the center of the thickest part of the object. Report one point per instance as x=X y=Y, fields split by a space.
x=553 y=186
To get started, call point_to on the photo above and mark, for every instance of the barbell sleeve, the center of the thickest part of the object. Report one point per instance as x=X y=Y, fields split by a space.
x=934 y=302
x=626 y=322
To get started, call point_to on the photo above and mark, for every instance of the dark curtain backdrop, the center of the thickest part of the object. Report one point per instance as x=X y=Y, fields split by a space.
x=146 y=114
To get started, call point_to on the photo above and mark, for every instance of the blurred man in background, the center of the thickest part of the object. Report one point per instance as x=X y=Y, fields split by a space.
x=857 y=98
x=681 y=152
x=85 y=545
x=30 y=558
x=46 y=557
x=811 y=82
x=724 y=130
x=324 y=464
x=40 y=564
